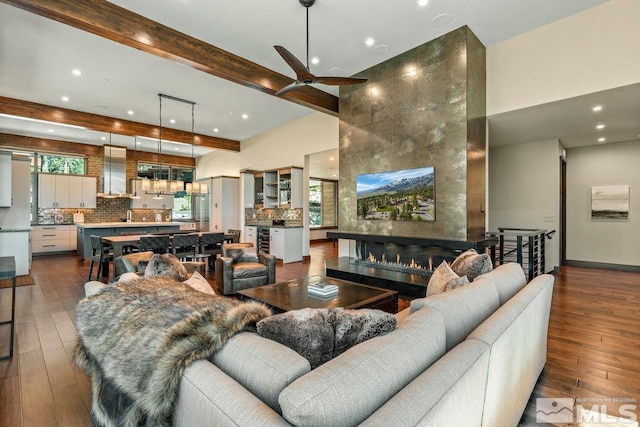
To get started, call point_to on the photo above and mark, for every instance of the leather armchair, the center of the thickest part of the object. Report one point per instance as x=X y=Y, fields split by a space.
x=131 y=263
x=240 y=267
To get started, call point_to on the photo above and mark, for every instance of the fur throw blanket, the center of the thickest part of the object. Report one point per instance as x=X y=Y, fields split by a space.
x=137 y=338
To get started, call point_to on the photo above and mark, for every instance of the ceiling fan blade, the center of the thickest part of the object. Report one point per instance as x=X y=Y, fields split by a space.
x=301 y=71
x=289 y=88
x=338 y=81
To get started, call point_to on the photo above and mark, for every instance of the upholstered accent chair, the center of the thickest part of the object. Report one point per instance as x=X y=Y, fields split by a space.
x=241 y=267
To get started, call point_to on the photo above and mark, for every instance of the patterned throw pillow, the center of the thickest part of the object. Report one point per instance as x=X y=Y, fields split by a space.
x=319 y=334
x=444 y=279
x=244 y=254
x=166 y=265
x=472 y=264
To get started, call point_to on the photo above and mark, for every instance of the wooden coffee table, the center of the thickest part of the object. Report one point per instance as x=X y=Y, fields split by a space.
x=293 y=295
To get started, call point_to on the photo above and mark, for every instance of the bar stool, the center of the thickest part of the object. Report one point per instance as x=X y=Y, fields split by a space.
x=101 y=254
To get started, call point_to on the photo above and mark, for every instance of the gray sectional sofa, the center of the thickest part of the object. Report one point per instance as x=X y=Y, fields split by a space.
x=467 y=357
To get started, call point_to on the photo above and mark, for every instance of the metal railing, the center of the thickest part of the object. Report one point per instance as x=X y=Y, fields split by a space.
x=525 y=246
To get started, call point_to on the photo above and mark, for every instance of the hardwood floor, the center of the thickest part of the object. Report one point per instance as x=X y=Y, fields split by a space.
x=593 y=346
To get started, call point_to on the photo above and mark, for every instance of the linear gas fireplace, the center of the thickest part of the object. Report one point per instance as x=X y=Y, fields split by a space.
x=401 y=263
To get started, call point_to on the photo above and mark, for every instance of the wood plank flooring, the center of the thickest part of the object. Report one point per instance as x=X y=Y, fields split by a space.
x=593 y=346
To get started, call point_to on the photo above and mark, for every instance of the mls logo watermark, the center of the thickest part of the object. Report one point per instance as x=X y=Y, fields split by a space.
x=618 y=411
x=549 y=410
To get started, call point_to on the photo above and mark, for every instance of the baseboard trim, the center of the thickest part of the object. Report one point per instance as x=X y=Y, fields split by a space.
x=603 y=265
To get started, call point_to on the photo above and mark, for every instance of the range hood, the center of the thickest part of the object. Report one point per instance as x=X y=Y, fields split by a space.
x=114 y=172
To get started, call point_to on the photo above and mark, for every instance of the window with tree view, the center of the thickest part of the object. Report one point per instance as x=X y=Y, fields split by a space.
x=323 y=203
x=182 y=202
x=52 y=163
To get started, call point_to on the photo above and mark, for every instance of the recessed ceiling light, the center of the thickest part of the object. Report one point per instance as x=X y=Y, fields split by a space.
x=216 y=130
x=597 y=108
x=130 y=112
x=422 y=3
x=314 y=60
x=370 y=41
x=51 y=130
x=104 y=138
x=381 y=49
x=137 y=142
x=602 y=139
x=245 y=116
x=331 y=158
x=172 y=120
x=65 y=99
x=76 y=72
x=176 y=148
x=600 y=126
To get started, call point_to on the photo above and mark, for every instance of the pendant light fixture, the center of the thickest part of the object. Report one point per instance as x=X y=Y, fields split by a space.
x=134 y=195
x=195 y=188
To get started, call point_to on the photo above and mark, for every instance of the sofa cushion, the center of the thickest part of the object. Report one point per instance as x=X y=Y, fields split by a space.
x=245 y=270
x=319 y=334
x=262 y=366
x=166 y=265
x=463 y=309
x=351 y=386
x=508 y=279
x=472 y=264
x=199 y=283
x=444 y=279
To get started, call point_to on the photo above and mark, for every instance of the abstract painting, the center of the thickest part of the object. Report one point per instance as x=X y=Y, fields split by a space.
x=610 y=202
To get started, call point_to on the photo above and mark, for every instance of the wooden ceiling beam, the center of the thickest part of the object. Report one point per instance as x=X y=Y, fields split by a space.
x=17 y=107
x=115 y=23
x=44 y=145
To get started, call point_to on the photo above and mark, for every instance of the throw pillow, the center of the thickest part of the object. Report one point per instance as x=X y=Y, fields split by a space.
x=444 y=279
x=166 y=265
x=320 y=334
x=472 y=264
x=199 y=283
x=308 y=331
x=244 y=254
x=128 y=277
x=355 y=326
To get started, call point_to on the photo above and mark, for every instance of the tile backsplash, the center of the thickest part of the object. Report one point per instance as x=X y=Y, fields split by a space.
x=291 y=217
x=107 y=210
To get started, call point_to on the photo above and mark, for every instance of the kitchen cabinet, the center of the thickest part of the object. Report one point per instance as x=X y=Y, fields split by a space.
x=16 y=243
x=5 y=179
x=282 y=188
x=286 y=243
x=224 y=203
x=250 y=235
x=82 y=192
x=248 y=182
x=53 y=238
x=148 y=201
x=66 y=191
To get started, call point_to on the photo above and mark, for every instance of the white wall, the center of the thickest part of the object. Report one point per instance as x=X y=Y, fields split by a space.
x=603 y=240
x=524 y=189
x=588 y=52
x=283 y=146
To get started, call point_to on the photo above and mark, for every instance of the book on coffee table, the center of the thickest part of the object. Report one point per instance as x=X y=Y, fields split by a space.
x=322 y=289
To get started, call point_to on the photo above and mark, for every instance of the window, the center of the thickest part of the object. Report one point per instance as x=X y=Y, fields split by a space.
x=182 y=206
x=53 y=163
x=323 y=203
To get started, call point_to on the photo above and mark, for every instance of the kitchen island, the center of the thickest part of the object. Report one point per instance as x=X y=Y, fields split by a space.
x=102 y=229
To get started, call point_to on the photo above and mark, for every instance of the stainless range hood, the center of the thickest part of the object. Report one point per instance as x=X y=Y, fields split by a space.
x=114 y=172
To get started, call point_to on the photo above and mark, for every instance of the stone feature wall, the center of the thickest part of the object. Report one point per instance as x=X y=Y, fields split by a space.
x=425 y=107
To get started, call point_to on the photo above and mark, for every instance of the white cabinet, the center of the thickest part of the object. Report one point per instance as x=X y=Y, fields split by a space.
x=82 y=192
x=248 y=183
x=290 y=184
x=53 y=238
x=16 y=244
x=66 y=191
x=148 y=201
x=224 y=209
x=250 y=235
x=286 y=244
x=5 y=179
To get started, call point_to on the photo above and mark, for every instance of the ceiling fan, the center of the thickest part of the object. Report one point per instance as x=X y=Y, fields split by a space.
x=303 y=75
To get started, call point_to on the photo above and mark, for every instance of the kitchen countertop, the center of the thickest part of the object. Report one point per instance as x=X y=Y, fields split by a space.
x=121 y=224
x=14 y=230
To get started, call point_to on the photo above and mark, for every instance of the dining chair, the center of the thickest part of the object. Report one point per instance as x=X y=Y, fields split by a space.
x=156 y=244
x=133 y=247
x=101 y=254
x=185 y=246
x=211 y=243
x=234 y=234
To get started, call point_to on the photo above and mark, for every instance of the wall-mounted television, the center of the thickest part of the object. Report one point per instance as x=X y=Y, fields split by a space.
x=401 y=195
